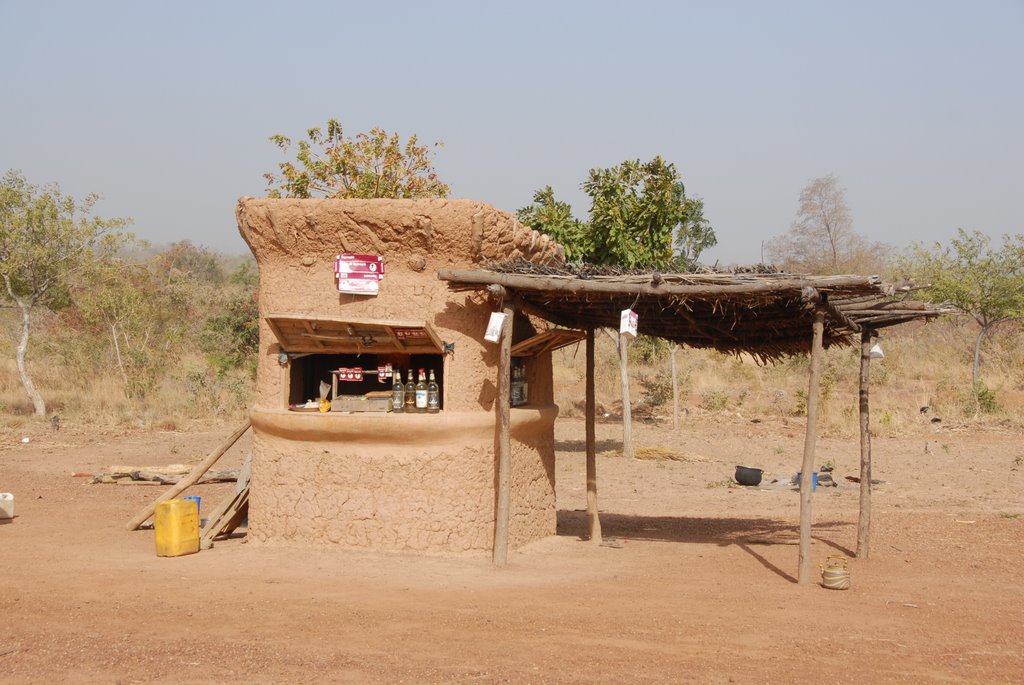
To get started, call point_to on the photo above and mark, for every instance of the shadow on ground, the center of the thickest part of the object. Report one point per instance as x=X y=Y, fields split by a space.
x=746 y=534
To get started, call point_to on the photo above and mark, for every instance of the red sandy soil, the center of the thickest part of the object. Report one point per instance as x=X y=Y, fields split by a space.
x=695 y=583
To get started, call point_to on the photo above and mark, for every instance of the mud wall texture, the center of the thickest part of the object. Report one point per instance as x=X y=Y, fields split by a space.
x=295 y=243
x=370 y=482
x=376 y=494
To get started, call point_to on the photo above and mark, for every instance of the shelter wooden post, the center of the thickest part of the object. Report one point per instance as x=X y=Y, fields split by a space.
x=627 y=409
x=593 y=518
x=675 y=388
x=502 y=407
x=864 y=523
x=810 y=440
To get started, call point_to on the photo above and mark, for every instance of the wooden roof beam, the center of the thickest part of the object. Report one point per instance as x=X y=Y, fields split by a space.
x=562 y=284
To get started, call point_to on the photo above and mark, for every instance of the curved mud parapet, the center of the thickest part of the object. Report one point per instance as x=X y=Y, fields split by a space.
x=448 y=232
x=387 y=481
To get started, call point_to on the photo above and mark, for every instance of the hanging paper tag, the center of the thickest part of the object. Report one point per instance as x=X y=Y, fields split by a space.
x=494 y=326
x=876 y=352
x=627 y=324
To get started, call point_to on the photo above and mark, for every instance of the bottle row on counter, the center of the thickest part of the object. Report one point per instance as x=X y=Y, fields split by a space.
x=421 y=396
x=424 y=395
x=417 y=394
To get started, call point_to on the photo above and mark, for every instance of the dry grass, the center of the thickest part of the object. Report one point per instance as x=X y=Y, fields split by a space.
x=665 y=454
x=186 y=398
x=925 y=366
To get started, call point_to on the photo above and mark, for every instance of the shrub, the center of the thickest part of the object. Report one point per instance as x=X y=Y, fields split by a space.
x=714 y=400
x=985 y=399
x=657 y=390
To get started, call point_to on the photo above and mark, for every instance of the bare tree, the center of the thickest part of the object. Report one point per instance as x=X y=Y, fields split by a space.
x=822 y=239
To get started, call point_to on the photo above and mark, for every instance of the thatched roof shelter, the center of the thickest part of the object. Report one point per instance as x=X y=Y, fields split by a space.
x=756 y=310
x=759 y=311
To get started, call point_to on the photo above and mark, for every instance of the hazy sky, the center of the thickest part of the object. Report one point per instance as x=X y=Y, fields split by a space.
x=165 y=108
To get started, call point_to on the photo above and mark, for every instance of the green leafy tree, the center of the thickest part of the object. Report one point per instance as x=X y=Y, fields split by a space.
x=554 y=218
x=48 y=242
x=640 y=216
x=981 y=281
x=370 y=165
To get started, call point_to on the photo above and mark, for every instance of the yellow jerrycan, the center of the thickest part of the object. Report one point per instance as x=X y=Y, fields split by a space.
x=835 y=573
x=176 y=527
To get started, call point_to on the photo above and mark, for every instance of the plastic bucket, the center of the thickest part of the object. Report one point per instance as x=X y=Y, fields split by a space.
x=746 y=475
x=199 y=504
x=814 y=480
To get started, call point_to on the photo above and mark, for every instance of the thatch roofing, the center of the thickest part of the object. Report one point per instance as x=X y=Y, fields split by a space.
x=765 y=313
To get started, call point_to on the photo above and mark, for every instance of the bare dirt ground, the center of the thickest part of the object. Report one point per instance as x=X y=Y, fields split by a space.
x=697 y=585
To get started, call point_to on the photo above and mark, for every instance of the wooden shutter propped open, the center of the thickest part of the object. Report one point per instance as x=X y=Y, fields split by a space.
x=547 y=341
x=338 y=335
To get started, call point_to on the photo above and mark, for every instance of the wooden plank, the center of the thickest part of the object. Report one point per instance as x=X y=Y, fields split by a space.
x=864 y=519
x=225 y=519
x=593 y=517
x=810 y=441
x=546 y=341
x=664 y=286
x=244 y=474
x=399 y=343
x=438 y=343
x=309 y=333
x=355 y=321
x=502 y=407
x=190 y=480
x=229 y=513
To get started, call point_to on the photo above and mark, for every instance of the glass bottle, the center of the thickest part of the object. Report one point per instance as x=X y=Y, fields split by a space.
x=398 y=394
x=421 y=392
x=515 y=387
x=433 y=395
x=410 y=394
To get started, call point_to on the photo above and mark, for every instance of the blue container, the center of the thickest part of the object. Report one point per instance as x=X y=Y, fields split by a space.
x=814 y=480
x=198 y=500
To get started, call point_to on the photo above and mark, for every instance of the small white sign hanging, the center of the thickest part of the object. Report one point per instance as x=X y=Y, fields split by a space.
x=876 y=352
x=494 y=326
x=627 y=324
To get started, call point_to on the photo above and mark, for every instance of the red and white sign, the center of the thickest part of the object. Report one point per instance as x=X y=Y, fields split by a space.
x=359 y=273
